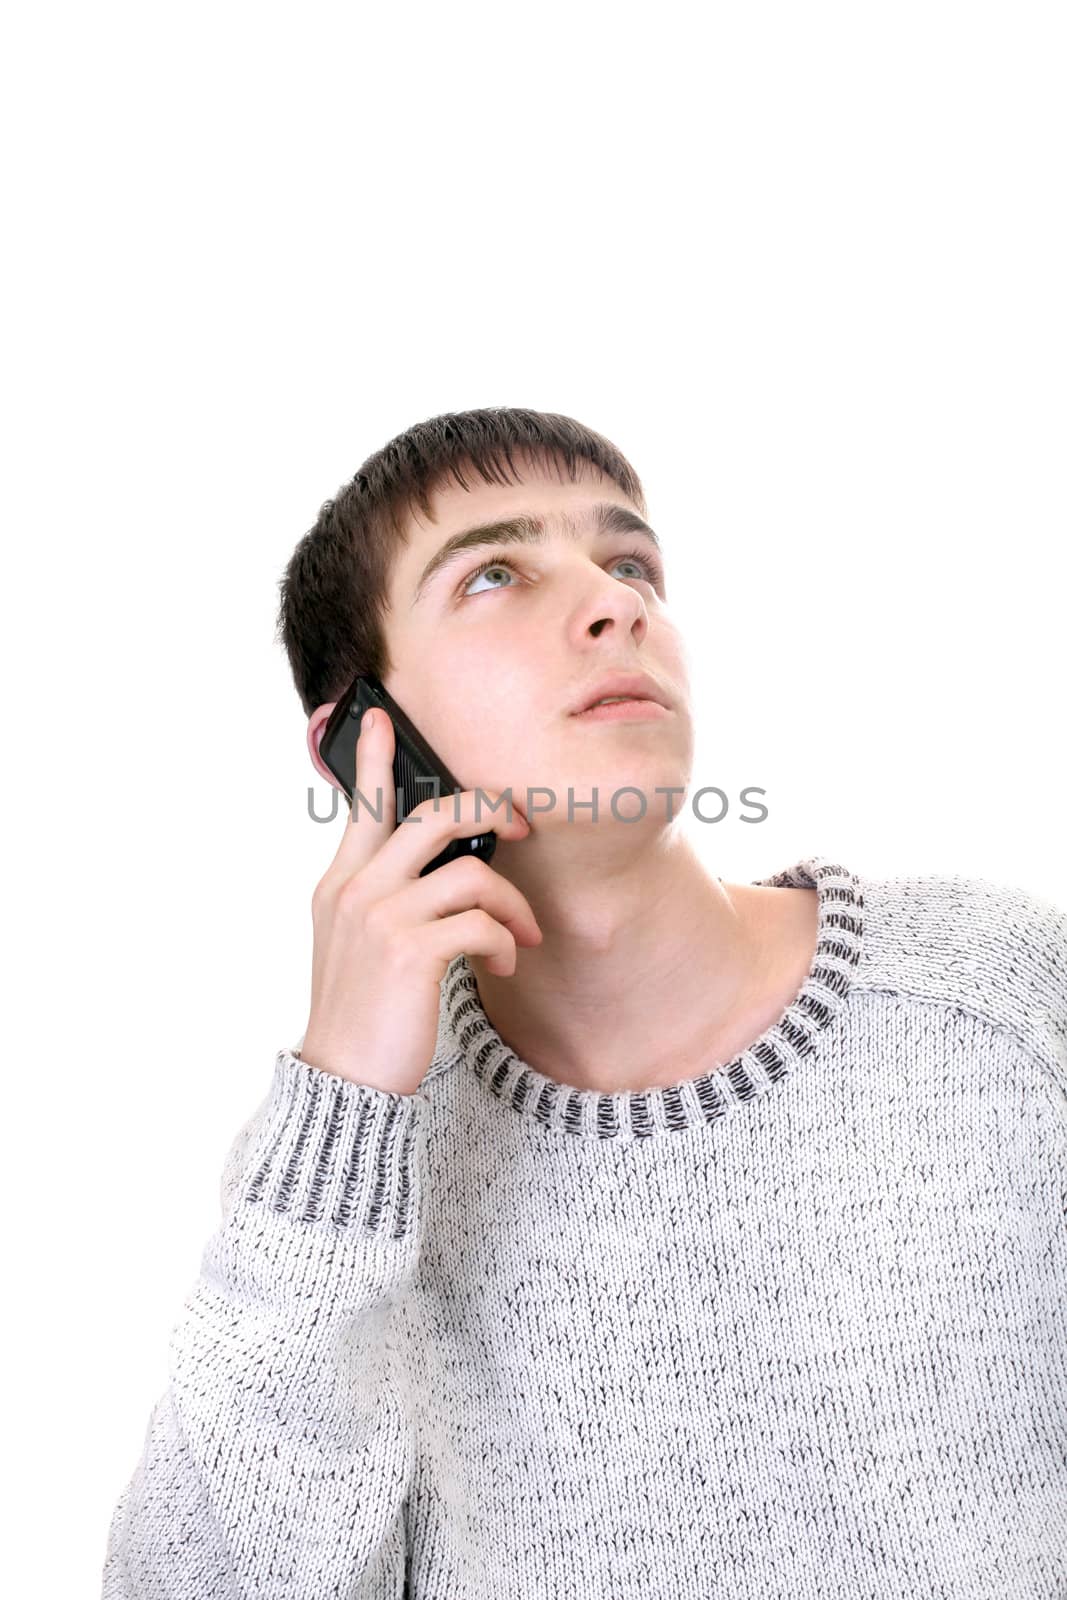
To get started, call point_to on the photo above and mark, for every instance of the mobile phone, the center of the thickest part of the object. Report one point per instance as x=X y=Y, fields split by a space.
x=418 y=772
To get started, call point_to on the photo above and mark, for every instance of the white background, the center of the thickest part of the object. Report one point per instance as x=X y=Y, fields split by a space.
x=803 y=264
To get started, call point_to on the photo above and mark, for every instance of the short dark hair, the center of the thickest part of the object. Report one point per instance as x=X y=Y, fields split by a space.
x=333 y=590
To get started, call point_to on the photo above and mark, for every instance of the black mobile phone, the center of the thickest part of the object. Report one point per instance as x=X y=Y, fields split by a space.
x=418 y=772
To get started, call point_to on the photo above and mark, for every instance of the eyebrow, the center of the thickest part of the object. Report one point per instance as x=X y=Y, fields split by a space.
x=606 y=517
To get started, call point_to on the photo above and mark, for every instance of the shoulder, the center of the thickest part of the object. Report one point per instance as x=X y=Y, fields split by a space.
x=991 y=948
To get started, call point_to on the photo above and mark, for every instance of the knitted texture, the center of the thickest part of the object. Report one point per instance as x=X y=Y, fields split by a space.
x=792 y=1328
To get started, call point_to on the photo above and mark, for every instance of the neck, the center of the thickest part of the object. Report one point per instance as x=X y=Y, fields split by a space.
x=650 y=970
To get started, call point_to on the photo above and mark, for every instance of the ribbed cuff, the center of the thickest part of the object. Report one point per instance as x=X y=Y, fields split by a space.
x=338 y=1155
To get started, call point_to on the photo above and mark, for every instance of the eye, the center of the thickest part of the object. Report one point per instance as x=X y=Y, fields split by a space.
x=486 y=567
x=651 y=572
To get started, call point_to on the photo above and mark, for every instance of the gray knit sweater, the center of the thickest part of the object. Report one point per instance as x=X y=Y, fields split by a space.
x=795 y=1328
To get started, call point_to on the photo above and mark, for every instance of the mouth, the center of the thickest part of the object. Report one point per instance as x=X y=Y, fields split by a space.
x=626 y=689
x=626 y=709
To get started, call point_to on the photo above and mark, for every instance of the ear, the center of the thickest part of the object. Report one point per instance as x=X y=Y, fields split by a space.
x=316 y=727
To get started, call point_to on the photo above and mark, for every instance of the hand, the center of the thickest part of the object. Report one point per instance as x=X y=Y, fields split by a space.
x=384 y=937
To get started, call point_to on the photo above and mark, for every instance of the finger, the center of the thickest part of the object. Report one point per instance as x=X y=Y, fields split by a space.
x=473 y=933
x=373 y=815
x=465 y=884
x=427 y=829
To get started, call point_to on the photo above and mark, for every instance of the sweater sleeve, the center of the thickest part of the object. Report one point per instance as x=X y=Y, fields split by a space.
x=277 y=1462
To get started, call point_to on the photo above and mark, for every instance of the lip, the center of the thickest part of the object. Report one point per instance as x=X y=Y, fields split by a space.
x=623 y=711
x=636 y=686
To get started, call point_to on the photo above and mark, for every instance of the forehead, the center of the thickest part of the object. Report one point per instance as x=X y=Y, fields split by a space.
x=542 y=489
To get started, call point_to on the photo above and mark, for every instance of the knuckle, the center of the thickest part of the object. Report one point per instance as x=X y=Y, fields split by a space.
x=470 y=874
x=351 y=897
x=378 y=921
x=432 y=806
x=322 y=895
x=402 y=948
x=395 y=945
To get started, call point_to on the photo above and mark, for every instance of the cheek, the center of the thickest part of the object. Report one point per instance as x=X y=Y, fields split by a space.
x=670 y=647
x=494 y=672
x=484 y=720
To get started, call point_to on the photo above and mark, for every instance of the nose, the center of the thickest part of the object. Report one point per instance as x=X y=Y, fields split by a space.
x=610 y=606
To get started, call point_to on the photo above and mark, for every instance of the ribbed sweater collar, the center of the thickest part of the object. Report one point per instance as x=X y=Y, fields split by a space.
x=767 y=1062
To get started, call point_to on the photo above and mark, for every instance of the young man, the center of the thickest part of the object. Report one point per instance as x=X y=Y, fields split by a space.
x=615 y=1230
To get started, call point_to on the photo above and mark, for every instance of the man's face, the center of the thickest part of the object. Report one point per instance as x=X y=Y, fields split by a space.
x=489 y=665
